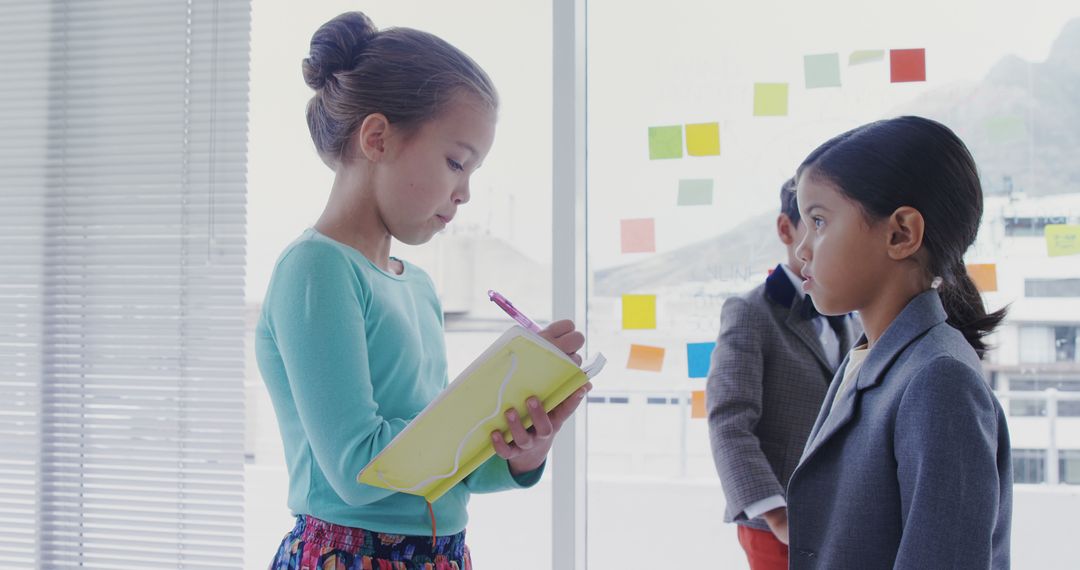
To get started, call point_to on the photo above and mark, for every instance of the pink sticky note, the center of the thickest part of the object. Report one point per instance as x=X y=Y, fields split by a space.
x=639 y=236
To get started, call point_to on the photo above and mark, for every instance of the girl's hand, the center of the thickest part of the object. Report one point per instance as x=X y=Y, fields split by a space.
x=530 y=447
x=562 y=334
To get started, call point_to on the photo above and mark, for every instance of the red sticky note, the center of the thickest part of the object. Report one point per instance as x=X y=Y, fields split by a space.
x=908 y=65
x=639 y=236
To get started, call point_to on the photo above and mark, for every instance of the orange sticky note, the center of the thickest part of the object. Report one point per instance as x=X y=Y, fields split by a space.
x=639 y=236
x=703 y=139
x=697 y=404
x=639 y=311
x=650 y=358
x=984 y=275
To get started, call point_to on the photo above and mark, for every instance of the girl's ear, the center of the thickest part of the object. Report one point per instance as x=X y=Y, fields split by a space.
x=904 y=230
x=370 y=139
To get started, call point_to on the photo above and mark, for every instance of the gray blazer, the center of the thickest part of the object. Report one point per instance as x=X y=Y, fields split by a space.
x=912 y=469
x=767 y=379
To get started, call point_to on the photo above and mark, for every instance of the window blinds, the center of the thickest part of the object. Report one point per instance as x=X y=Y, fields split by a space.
x=123 y=132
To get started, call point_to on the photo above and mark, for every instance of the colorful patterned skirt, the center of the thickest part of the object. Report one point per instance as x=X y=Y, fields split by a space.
x=315 y=544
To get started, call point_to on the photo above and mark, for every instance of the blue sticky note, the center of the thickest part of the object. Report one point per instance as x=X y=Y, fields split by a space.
x=698 y=355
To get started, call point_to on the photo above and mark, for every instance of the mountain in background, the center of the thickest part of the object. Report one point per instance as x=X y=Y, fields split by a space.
x=751 y=248
x=1021 y=122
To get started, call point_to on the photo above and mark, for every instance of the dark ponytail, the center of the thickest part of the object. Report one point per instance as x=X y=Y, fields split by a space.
x=964 y=304
x=920 y=163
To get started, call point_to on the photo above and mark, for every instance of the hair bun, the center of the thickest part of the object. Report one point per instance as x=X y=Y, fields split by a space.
x=337 y=46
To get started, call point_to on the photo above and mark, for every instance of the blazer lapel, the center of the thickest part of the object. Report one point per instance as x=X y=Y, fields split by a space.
x=846 y=335
x=823 y=412
x=805 y=330
x=780 y=290
x=920 y=315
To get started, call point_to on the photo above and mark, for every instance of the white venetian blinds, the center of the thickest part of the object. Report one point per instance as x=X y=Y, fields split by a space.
x=123 y=129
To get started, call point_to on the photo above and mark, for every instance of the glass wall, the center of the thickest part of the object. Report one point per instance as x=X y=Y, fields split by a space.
x=697 y=113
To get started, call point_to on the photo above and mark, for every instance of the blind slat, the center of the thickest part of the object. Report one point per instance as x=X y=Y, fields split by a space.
x=122 y=246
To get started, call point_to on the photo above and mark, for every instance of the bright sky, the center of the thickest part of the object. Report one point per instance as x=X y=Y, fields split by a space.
x=674 y=62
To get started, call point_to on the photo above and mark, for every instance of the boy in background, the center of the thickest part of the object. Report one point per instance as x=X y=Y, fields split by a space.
x=774 y=359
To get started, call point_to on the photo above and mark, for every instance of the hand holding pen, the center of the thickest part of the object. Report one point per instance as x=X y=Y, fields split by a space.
x=530 y=446
x=560 y=333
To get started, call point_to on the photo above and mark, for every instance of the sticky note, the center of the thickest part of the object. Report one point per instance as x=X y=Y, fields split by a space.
x=665 y=142
x=770 y=99
x=698 y=355
x=703 y=139
x=1005 y=129
x=1062 y=239
x=639 y=236
x=650 y=358
x=695 y=192
x=639 y=311
x=907 y=65
x=859 y=57
x=822 y=70
x=697 y=404
x=984 y=275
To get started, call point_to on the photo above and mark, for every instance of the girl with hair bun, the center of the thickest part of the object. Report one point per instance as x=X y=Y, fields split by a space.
x=350 y=340
x=908 y=464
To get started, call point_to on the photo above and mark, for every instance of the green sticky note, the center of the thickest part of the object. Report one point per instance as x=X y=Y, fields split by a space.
x=695 y=192
x=822 y=70
x=1005 y=129
x=703 y=139
x=665 y=142
x=1062 y=239
x=859 y=57
x=639 y=311
x=770 y=99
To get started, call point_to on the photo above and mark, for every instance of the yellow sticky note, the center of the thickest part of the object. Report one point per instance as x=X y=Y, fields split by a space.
x=639 y=311
x=1062 y=239
x=984 y=275
x=770 y=99
x=703 y=139
x=650 y=358
x=859 y=57
x=697 y=404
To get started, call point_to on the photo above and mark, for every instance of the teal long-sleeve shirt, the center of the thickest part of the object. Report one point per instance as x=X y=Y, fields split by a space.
x=350 y=354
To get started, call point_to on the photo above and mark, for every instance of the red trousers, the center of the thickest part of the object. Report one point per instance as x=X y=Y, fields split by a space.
x=763 y=550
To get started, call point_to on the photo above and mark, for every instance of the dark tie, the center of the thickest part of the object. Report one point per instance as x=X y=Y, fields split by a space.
x=808 y=311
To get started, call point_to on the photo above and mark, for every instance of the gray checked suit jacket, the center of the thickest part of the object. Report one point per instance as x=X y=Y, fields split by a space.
x=767 y=379
x=912 y=467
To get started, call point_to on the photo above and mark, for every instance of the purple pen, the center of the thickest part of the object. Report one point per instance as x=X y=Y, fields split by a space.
x=515 y=314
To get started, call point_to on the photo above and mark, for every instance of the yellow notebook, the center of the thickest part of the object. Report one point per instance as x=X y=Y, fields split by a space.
x=452 y=436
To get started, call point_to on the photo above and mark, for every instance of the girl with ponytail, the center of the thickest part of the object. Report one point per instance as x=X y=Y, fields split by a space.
x=908 y=464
